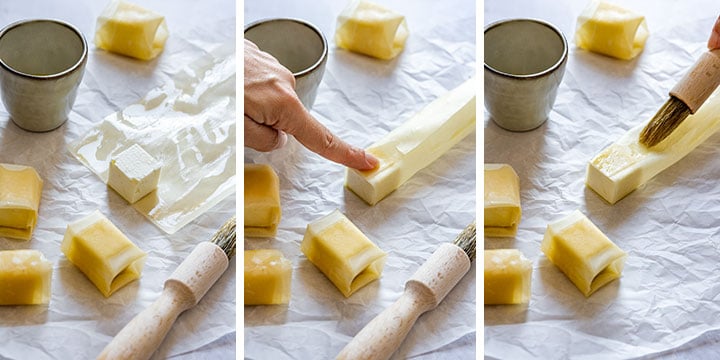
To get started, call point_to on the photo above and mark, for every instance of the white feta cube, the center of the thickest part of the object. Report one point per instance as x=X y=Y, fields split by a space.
x=134 y=173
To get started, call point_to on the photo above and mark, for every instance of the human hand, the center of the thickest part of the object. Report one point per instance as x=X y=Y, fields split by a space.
x=273 y=110
x=714 y=42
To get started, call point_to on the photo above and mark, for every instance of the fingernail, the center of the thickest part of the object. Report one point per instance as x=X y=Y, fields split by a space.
x=371 y=160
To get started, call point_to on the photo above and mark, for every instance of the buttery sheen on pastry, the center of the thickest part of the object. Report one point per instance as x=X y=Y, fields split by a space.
x=131 y=30
x=25 y=277
x=502 y=200
x=626 y=164
x=611 y=30
x=507 y=277
x=371 y=29
x=262 y=201
x=342 y=252
x=587 y=257
x=102 y=252
x=20 y=193
x=267 y=277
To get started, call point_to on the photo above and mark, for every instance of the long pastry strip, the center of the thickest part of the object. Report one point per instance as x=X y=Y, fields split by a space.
x=626 y=164
x=416 y=144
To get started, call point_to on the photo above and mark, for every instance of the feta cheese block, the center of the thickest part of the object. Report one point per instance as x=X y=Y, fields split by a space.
x=416 y=144
x=20 y=193
x=507 y=277
x=24 y=277
x=626 y=164
x=131 y=30
x=102 y=252
x=342 y=252
x=611 y=30
x=262 y=201
x=502 y=200
x=134 y=173
x=581 y=251
x=267 y=277
x=371 y=29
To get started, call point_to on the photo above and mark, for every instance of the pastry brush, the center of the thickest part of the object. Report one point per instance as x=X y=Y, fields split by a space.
x=423 y=292
x=186 y=286
x=685 y=98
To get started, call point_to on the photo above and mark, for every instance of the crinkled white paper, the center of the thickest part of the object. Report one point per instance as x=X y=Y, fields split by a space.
x=80 y=321
x=361 y=99
x=668 y=298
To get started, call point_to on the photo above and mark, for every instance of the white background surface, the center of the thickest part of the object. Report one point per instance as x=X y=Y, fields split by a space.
x=361 y=99
x=79 y=321
x=666 y=302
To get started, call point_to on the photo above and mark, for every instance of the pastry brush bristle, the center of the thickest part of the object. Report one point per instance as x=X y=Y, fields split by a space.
x=670 y=115
x=225 y=238
x=466 y=241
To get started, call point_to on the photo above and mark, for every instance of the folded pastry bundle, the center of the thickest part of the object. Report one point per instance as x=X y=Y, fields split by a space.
x=342 y=252
x=587 y=257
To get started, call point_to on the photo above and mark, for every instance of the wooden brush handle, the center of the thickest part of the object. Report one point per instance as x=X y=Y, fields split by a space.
x=424 y=291
x=702 y=79
x=383 y=335
x=186 y=286
x=145 y=332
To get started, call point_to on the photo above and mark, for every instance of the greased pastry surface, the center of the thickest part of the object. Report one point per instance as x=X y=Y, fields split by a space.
x=20 y=194
x=25 y=276
x=129 y=29
x=102 y=252
x=342 y=252
x=268 y=276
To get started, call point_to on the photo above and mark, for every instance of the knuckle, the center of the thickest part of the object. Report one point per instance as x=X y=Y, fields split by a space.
x=329 y=141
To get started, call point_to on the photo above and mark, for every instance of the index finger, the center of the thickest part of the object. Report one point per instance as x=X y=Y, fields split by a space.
x=318 y=139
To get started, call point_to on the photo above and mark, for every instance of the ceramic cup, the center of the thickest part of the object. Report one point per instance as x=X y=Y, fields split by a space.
x=41 y=66
x=299 y=46
x=524 y=65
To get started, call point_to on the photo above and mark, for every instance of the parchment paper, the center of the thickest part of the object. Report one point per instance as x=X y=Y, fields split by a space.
x=667 y=299
x=79 y=321
x=361 y=99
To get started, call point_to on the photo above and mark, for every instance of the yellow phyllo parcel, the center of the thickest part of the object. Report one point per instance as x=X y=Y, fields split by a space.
x=267 y=277
x=262 y=201
x=371 y=29
x=102 y=252
x=502 y=200
x=581 y=251
x=20 y=193
x=131 y=30
x=342 y=252
x=25 y=277
x=507 y=277
x=611 y=30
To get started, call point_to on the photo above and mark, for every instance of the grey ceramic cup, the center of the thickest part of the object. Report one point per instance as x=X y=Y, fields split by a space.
x=41 y=66
x=524 y=65
x=299 y=46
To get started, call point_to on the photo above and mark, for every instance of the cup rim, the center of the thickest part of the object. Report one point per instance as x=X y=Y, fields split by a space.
x=324 y=54
x=74 y=67
x=550 y=69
